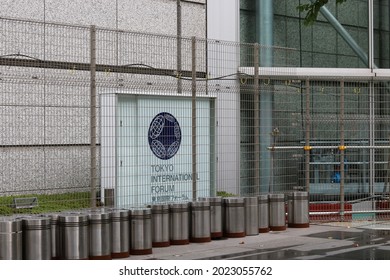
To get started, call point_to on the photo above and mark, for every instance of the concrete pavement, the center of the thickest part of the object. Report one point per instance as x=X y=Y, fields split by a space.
x=319 y=241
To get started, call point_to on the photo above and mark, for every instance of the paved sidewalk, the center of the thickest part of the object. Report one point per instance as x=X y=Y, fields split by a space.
x=316 y=242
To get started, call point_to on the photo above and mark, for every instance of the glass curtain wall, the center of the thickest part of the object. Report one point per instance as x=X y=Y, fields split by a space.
x=320 y=44
x=382 y=33
x=325 y=44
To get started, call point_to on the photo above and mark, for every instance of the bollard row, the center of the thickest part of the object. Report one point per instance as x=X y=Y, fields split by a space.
x=103 y=234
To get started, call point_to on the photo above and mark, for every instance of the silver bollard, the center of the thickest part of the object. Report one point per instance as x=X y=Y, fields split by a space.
x=160 y=225
x=298 y=210
x=179 y=223
x=74 y=236
x=141 y=232
x=216 y=227
x=120 y=223
x=55 y=235
x=36 y=238
x=251 y=215
x=290 y=210
x=277 y=212
x=11 y=238
x=99 y=234
x=263 y=213
x=200 y=221
x=234 y=217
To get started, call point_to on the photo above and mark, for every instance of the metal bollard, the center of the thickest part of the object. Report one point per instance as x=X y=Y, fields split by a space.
x=55 y=236
x=263 y=213
x=179 y=223
x=200 y=222
x=120 y=224
x=277 y=212
x=36 y=238
x=141 y=232
x=290 y=210
x=74 y=236
x=99 y=234
x=160 y=225
x=215 y=216
x=11 y=238
x=234 y=217
x=298 y=210
x=251 y=215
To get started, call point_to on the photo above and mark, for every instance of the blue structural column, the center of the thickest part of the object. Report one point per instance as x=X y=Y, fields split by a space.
x=264 y=29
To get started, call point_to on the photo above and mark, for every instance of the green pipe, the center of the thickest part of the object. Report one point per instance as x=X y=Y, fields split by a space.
x=264 y=27
x=264 y=21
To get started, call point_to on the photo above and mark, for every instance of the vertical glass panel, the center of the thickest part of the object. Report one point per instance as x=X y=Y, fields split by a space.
x=323 y=44
x=381 y=33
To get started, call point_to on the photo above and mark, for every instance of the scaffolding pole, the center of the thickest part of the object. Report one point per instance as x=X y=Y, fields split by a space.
x=371 y=65
x=274 y=148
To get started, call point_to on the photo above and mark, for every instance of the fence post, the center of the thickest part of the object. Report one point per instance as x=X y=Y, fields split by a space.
x=372 y=140
x=194 y=169
x=178 y=46
x=307 y=147
x=256 y=121
x=93 y=172
x=342 y=152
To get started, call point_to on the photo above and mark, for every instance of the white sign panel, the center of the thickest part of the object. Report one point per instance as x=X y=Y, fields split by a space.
x=154 y=149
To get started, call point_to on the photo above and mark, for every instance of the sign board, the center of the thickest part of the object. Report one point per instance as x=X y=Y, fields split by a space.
x=153 y=149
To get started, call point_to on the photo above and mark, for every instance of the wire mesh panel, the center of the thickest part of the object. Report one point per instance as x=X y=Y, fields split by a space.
x=93 y=117
x=44 y=113
x=288 y=130
x=381 y=156
x=340 y=149
x=161 y=149
x=223 y=81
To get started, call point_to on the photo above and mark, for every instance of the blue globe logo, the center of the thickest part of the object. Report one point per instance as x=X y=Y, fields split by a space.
x=164 y=136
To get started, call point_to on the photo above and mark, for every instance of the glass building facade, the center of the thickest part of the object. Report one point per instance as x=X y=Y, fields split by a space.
x=352 y=112
x=320 y=44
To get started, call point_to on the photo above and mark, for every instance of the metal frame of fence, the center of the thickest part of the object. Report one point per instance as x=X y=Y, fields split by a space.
x=78 y=103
